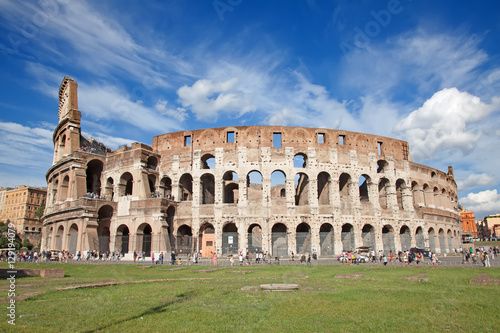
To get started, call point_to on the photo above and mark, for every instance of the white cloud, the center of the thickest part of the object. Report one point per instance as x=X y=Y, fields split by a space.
x=109 y=102
x=482 y=203
x=422 y=62
x=474 y=181
x=207 y=99
x=178 y=113
x=25 y=146
x=444 y=123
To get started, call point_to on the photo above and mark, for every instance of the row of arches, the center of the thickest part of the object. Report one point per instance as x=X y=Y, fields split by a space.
x=306 y=188
x=280 y=241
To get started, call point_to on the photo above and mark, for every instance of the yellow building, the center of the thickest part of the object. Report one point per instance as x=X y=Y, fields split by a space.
x=20 y=206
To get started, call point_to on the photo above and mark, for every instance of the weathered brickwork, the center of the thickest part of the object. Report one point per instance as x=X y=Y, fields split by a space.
x=269 y=188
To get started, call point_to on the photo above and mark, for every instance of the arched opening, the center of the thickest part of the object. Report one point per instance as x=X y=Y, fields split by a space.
x=301 y=189
x=324 y=188
x=418 y=194
x=381 y=166
x=73 y=238
x=300 y=160
x=442 y=243
x=428 y=196
x=59 y=237
x=278 y=188
x=383 y=185
x=326 y=239
x=65 y=189
x=419 y=238
x=432 y=239
x=62 y=146
x=186 y=187
x=208 y=161
x=166 y=188
x=54 y=191
x=437 y=197
x=279 y=241
x=388 y=239
x=231 y=187
x=405 y=238
x=303 y=238
x=109 y=191
x=207 y=239
x=364 y=196
x=445 y=199
x=126 y=184
x=184 y=239
x=450 y=244
x=254 y=186
x=152 y=186
x=105 y=214
x=254 y=238
x=144 y=239
x=400 y=187
x=170 y=242
x=152 y=163
x=347 y=236
x=122 y=239
x=94 y=170
x=207 y=189
x=344 y=191
x=368 y=235
x=230 y=239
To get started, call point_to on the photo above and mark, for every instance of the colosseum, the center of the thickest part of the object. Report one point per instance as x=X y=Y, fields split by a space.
x=243 y=188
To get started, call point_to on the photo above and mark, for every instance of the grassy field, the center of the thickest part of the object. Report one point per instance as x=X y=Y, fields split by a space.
x=192 y=300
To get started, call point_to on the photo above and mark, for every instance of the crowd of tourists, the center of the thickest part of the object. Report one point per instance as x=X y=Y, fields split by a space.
x=91 y=195
x=480 y=254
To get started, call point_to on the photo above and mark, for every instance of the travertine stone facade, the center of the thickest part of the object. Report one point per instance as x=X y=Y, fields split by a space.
x=254 y=188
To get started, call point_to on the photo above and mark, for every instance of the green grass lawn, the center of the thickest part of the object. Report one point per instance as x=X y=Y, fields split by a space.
x=192 y=301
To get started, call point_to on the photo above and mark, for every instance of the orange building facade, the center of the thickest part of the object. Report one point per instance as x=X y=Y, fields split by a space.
x=468 y=223
x=20 y=206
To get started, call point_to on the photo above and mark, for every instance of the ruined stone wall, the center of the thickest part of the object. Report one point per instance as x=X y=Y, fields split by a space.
x=251 y=188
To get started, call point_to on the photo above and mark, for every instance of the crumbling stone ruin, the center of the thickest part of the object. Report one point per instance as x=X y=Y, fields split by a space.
x=250 y=188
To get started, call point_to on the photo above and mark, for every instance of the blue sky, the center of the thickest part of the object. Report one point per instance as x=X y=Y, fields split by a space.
x=423 y=71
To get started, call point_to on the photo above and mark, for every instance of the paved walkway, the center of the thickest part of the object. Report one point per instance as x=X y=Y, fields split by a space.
x=444 y=261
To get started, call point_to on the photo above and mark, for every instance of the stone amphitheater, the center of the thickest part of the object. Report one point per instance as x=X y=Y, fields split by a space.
x=244 y=188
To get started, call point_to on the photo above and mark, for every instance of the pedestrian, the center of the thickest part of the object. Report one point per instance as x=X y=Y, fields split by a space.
x=172 y=258
x=153 y=258
x=231 y=260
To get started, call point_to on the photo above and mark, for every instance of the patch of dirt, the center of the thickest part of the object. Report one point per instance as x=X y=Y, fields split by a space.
x=210 y=270
x=349 y=276
x=484 y=279
x=239 y=272
x=417 y=277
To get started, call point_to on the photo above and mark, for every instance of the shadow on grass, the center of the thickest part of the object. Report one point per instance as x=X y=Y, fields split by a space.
x=154 y=310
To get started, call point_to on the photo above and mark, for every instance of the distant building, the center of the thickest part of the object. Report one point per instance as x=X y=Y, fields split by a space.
x=20 y=206
x=493 y=221
x=3 y=191
x=468 y=223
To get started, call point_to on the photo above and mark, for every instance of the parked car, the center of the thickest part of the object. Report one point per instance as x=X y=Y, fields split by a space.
x=416 y=250
x=360 y=258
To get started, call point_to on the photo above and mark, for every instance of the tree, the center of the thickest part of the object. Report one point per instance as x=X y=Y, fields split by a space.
x=27 y=244
x=39 y=211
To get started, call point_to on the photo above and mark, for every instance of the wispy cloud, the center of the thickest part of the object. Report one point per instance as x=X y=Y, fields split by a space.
x=475 y=180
